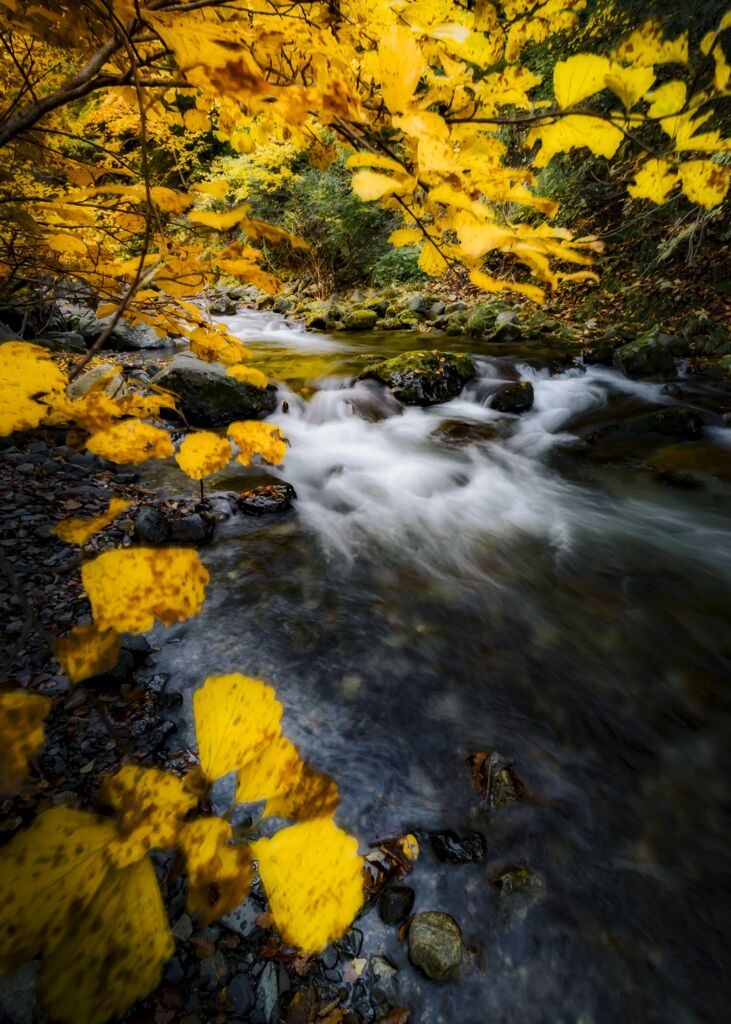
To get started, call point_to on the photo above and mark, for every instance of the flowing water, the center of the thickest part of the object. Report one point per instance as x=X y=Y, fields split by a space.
x=456 y=580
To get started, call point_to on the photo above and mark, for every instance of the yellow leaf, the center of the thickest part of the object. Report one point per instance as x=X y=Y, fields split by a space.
x=579 y=77
x=26 y=374
x=647 y=46
x=66 y=243
x=368 y=185
x=150 y=805
x=235 y=718
x=667 y=99
x=219 y=875
x=431 y=260
x=313 y=879
x=630 y=84
x=87 y=651
x=653 y=181
x=321 y=157
x=248 y=374
x=373 y=160
x=216 y=348
x=21 y=728
x=114 y=954
x=252 y=273
x=48 y=874
x=202 y=454
x=401 y=65
x=490 y=284
x=220 y=221
x=130 y=587
x=254 y=438
x=575 y=131
x=291 y=788
x=405 y=236
x=196 y=120
x=217 y=189
x=131 y=442
x=704 y=182
x=78 y=531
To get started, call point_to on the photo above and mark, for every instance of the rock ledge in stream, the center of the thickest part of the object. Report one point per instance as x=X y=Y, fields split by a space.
x=423 y=378
x=208 y=397
x=266 y=499
x=514 y=397
x=435 y=943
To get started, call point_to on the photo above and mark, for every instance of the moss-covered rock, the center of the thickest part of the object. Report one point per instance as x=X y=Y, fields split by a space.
x=482 y=319
x=423 y=378
x=647 y=356
x=514 y=397
x=360 y=320
x=678 y=421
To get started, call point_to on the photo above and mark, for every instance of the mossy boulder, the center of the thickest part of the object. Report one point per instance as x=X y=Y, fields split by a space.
x=360 y=320
x=648 y=356
x=423 y=378
x=514 y=397
x=482 y=319
x=677 y=421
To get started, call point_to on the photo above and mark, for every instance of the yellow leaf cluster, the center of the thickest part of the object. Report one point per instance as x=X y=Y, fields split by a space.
x=27 y=377
x=253 y=438
x=131 y=442
x=248 y=375
x=202 y=454
x=78 y=531
x=21 y=729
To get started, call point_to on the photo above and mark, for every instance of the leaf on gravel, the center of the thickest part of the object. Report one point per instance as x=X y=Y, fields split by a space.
x=87 y=651
x=21 y=730
x=235 y=718
x=130 y=588
x=313 y=877
x=78 y=531
x=219 y=875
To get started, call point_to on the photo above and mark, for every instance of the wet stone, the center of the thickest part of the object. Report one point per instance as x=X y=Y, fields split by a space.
x=193 y=529
x=214 y=970
x=395 y=903
x=435 y=943
x=266 y=499
x=241 y=995
x=453 y=849
x=151 y=527
x=513 y=397
x=267 y=992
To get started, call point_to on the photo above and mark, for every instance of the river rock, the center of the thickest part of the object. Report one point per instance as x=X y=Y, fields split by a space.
x=79 y=387
x=194 y=529
x=507 y=317
x=360 y=320
x=678 y=421
x=645 y=357
x=468 y=849
x=416 y=303
x=395 y=903
x=515 y=397
x=435 y=943
x=208 y=397
x=266 y=499
x=423 y=378
x=61 y=341
x=125 y=337
x=151 y=527
x=241 y=995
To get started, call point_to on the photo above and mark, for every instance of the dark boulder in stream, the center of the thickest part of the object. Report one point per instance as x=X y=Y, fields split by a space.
x=395 y=903
x=208 y=397
x=514 y=397
x=267 y=499
x=423 y=378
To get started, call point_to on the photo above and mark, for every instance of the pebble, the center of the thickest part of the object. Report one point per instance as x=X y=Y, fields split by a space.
x=241 y=995
x=435 y=943
x=468 y=849
x=395 y=903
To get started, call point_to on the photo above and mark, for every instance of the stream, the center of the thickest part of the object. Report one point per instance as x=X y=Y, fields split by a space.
x=455 y=580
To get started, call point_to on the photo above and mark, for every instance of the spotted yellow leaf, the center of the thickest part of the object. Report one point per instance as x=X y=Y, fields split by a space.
x=78 y=531
x=48 y=874
x=654 y=180
x=401 y=65
x=131 y=442
x=213 y=347
x=66 y=243
x=704 y=182
x=313 y=879
x=131 y=587
x=291 y=788
x=575 y=131
x=369 y=185
x=114 y=952
x=248 y=374
x=647 y=46
x=202 y=454
x=219 y=874
x=87 y=651
x=21 y=732
x=630 y=84
x=235 y=718
x=27 y=374
x=252 y=438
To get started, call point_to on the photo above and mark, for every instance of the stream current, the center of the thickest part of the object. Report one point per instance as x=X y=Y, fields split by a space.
x=454 y=580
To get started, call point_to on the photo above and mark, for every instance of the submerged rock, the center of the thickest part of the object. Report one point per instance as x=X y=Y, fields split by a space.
x=514 y=397
x=208 y=397
x=678 y=421
x=360 y=320
x=435 y=943
x=267 y=499
x=395 y=903
x=423 y=378
x=468 y=849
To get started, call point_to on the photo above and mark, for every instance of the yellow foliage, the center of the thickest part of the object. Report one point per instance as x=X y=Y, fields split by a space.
x=26 y=375
x=202 y=454
x=113 y=954
x=291 y=788
x=313 y=879
x=217 y=189
x=21 y=737
x=131 y=442
x=219 y=874
x=401 y=66
x=48 y=875
x=248 y=375
x=630 y=84
x=369 y=185
x=491 y=284
x=235 y=718
x=219 y=221
x=87 y=651
x=654 y=181
x=704 y=182
x=66 y=243
x=215 y=347
x=129 y=588
x=578 y=77
x=150 y=806
x=575 y=131
x=196 y=120
x=78 y=531
x=252 y=438
x=647 y=46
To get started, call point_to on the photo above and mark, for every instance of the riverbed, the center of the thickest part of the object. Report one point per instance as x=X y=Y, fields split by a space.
x=453 y=579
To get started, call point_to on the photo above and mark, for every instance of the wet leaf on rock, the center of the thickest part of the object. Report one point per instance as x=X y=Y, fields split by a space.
x=219 y=875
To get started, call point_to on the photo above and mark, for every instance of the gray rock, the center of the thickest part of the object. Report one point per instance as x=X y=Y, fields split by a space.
x=61 y=341
x=435 y=943
x=79 y=387
x=455 y=307
x=18 y=993
x=423 y=378
x=382 y=969
x=647 y=356
x=151 y=527
x=267 y=992
x=282 y=305
x=208 y=397
x=436 y=309
x=507 y=317
x=242 y=919
x=241 y=995
x=183 y=928
x=678 y=421
x=7 y=334
x=266 y=499
x=468 y=849
x=513 y=397
x=214 y=970
x=416 y=302
x=127 y=337
x=192 y=529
